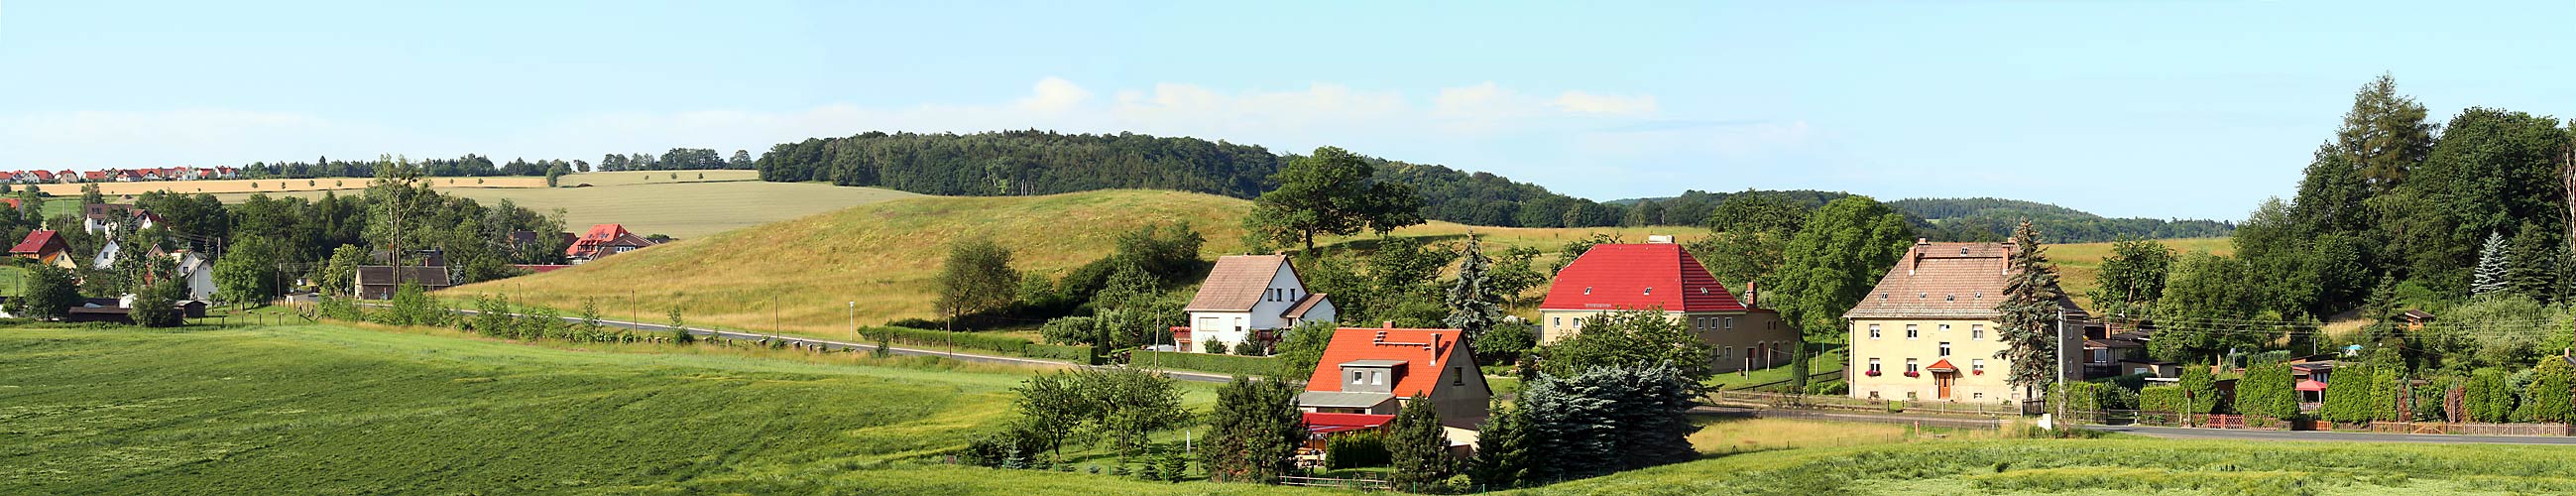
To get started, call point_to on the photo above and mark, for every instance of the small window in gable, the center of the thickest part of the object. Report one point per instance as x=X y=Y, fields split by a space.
x=1650 y=290
x=1587 y=290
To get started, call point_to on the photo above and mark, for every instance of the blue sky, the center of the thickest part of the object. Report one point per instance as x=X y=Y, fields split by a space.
x=2162 y=109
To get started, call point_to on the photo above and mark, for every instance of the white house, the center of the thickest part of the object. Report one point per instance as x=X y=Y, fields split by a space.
x=1250 y=297
x=198 y=272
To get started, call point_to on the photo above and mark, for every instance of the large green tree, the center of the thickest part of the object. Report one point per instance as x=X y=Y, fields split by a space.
x=1628 y=338
x=50 y=292
x=2026 y=319
x=2132 y=277
x=1418 y=447
x=2205 y=311
x=1832 y=262
x=2385 y=133
x=976 y=278
x=248 y=275
x=1749 y=235
x=1474 y=308
x=1330 y=192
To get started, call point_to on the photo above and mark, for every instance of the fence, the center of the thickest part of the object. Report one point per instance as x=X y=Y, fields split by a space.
x=1822 y=402
x=1359 y=484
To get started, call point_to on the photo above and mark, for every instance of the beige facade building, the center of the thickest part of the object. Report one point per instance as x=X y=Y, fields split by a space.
x=1927 y=331
x=1661 y=277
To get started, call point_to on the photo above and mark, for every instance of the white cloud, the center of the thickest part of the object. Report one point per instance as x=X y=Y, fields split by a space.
x=1587 y=103
x=1055 y=95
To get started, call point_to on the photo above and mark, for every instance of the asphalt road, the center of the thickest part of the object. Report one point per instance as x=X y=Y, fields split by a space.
x=2364 y=437
x=844 y=345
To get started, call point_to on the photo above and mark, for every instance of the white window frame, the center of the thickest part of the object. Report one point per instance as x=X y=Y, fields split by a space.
x=1873 y=331
x=1945 y=349
x=1913 y=331
x=1976 y=331
x=1873 y=365
x=1912 y=365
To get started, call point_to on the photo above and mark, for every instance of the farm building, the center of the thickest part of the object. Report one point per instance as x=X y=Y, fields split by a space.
x=1661 y=276
x=604 y=240
x=1934 y=314
x=1249 y=297
x=379 y=282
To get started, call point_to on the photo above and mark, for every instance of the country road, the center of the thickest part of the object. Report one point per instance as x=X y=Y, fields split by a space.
x=2149 y=431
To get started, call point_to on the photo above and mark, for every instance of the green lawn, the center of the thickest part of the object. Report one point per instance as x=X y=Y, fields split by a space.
x=331 y=409
x=1830 y=360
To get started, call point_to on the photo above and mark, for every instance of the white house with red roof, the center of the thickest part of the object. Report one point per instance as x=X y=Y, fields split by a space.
x=1660 y=276
x=1250 y=297
x=1374 y=371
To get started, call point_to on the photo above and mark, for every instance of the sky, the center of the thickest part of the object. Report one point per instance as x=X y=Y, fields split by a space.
x=2132 y=109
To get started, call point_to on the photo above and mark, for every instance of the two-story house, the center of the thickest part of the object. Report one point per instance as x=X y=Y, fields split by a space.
x=1250 y=297
x=1660 y=276
x=1374 y=371
x=1927 y=331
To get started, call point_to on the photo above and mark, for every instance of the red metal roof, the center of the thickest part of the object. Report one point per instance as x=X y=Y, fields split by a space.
x=2311 y=385
x=1638 y=276
x=1327 y=423
x=1419 y=349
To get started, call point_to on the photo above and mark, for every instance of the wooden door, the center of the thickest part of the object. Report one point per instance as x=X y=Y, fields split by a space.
x=1942 y=380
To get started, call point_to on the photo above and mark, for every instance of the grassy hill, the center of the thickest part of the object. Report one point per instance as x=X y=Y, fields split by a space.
x=655 y=203
x=803 y=273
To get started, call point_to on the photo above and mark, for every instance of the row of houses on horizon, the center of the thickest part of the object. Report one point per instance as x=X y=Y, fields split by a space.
x=118 y=175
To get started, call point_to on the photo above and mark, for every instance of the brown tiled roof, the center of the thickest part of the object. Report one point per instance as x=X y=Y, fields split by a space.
x=1235 y=285
x=1944 y=280
x=1304 y=305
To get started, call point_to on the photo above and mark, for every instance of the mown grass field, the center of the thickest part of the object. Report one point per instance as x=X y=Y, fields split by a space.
x=2079 y=265
x=330 y=409
x=685 y=208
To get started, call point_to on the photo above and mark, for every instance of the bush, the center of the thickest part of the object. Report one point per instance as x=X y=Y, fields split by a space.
x=921 y=337
x=1222 y=364
x=1356 y=449
x=1075 y=354
x=1248 y=348
x=2161 y=399
x=916 y=324
x=1213 y=347
x=1836 y=388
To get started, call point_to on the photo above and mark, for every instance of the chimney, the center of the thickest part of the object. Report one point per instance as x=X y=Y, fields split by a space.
x=1434 y=348
x=1390 y=324
x=1752 y=294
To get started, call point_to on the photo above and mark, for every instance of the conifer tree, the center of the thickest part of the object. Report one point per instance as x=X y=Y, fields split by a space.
x=2553 y=387
x=2348 y=396
x=1473 y=308
x=2494 y=264
x=2026 y=318
x=1254 y=431
x=2532 y=266
x=1418 y=447
x=1504 y=456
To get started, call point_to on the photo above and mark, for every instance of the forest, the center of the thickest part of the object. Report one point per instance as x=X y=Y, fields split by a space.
x=1030 y=162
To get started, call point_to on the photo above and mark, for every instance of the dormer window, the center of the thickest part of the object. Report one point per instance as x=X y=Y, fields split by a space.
x=1949 y=297
x=1963 y=251
x=1650 y=290
x=1587 y=290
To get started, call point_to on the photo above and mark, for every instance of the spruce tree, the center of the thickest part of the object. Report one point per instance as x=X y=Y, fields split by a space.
x=2494 y=266
x=1418 y=447
x=2553 y=386
x=1473 y=308
x=2532 y=268
x=1504 y=456
x=2026 y=318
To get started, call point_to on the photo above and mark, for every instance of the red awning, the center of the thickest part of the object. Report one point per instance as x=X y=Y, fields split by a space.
x=2311 y=385
x=1943 y=366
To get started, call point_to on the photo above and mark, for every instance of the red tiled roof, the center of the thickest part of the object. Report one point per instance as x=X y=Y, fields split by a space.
x=1638 y=276
x=1419 y=349
x=1942 y=366
x=35 y=242
x=600 y=237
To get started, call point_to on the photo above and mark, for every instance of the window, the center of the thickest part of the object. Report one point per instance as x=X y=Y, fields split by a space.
x=1913 y=331
x=1556 y=321
x=1945 y=328
x=1976 y=331
x=1730 y=322
x=1578 y=322
x=1977 y=365
x=1358 y=378
x=1873 y=331
x=1873 y=365
x=1977 y=395
x=1945 y=348
x=1873 y=395
x=1587 y=290
x=1377 y=378
x=1457 y=376
x=1650 y=290
x=1910 y=367
x=1909 y=396
x=1725 y=352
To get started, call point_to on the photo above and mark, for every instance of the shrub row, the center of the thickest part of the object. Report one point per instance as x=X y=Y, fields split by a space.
x=1221 y=364
x=968 y=340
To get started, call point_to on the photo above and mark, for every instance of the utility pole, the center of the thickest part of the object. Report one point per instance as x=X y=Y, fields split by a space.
x=2061 y=363
x=854 y=321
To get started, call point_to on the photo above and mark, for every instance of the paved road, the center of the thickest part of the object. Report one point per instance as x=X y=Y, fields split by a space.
x=1923 y=420
x=844 y=345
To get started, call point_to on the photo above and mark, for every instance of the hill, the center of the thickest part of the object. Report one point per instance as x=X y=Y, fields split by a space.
x=802 y=274
x=327 y=409
x=655 y=203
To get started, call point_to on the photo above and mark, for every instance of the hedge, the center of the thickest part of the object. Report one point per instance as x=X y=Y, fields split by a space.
x=1075 y=354
x=1222 y=364
x=923 y=337
x=2161 y=399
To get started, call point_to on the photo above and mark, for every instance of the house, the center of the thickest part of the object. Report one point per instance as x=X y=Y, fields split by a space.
x=379 y=282
x=604 y=240
x=98 y=217
x=1374 y=371
x=45 y=247
x=39 y=176
x=1927 y=331
x=227 y=173
x=198 y=272
x=2414 y=320
x=2120 y=349
x=1660 y=276
x=1250 y=297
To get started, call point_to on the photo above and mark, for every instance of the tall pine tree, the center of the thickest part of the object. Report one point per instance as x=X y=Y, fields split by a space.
x=1418 y=447
x=1504 y=455
x=2027 y=317
x=1255 y=431
x=1473 y=308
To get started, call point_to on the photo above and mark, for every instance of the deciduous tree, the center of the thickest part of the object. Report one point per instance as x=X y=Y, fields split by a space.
x=976 y=278
x=1833 y=262
x=1331 y=192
